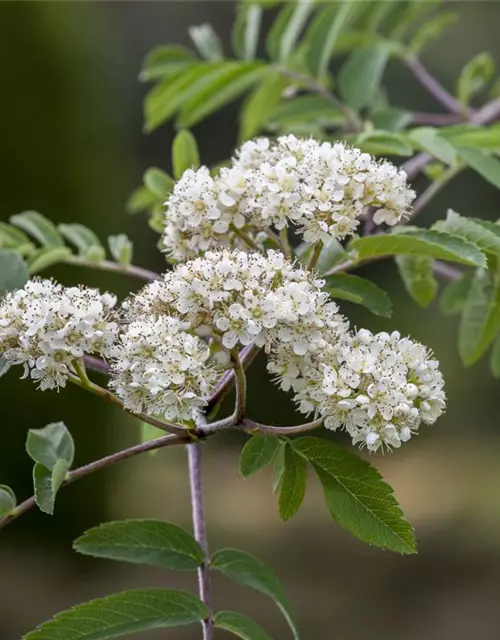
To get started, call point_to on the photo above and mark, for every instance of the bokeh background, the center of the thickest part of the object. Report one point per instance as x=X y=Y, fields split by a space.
x=72 y=148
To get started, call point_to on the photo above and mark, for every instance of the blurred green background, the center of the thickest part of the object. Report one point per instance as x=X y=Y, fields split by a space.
x=72 y=148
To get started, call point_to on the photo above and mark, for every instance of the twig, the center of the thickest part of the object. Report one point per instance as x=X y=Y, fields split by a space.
x=106 y=265
x=250 y=425
x=434 y=188
x=96 y=364
x=200 y=534
x=85 y=470
x=447 y=271
x=225 y=384
x=240 y=386
x=316 y=252
x=433 y=86
x=435 y=119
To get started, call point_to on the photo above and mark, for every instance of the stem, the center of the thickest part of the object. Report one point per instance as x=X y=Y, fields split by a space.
x=250 y=242
x=320 y=89
x=240 y=387
x=85 y=470
x=285 y=243
x=435 y=119
x=433 y=86
x=96 y=364
x=250 y=425
x=434 y=188
x=200 y=534
x=116 y=267
x=447 y=271
x=226 y=382
x=110 y=397
x=315 y=255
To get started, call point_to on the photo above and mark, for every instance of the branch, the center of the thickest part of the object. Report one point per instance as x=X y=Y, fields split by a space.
x=226 y=382
x=116 y=267
x=81 y=472
x=250 y=425
x=200 y=534
x=240 y=382
x=433 y=86
x=435 y=119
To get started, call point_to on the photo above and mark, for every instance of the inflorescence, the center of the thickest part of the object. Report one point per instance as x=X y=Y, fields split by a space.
x=165 y=351
x=320 y=189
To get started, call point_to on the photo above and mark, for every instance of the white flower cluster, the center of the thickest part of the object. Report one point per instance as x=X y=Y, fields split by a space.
x=159 y=369
x=242 y=298
x=204 y=212
x=379 y=388
x=45 y=327
x=320 y=188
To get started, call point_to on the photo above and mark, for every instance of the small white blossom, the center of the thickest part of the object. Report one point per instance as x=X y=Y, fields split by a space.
x=204 y=212
x=379 y=388
x=241 y=299
x=321 y=188
x=159 y=369
x=45 y=327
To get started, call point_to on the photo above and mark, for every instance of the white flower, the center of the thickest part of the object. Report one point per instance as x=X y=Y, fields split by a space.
x=321 y=188
x=204 y=212
x=159 y=369
x=379 y=388
x=45 y=327
x=241 y=299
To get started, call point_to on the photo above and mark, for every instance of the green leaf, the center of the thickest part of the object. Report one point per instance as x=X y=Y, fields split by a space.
x=391 y=119
x=46 y=257
x=240 y=626
x=323 y=34
x=159 y=183
x=487 y=239
x=245 y=35
x=331 y=254
x=360 y=291
x=495 y=358
x=275 y=34
x=424 y=243
x=165 y=99
x=279 y=466
x=121 y=248
x=7 y=500
x=482 y=163
x=47 y=483
x=417 y=273
x=163 y=61
x=357 y=497
x=152 y=542
x=430 y=30
x=121 y=614
x=228 y=84
x=260 y=104
x=475 y=77
x=383 y=143
x=13 y=272
x=487 y=138
x=141 y=200
x=305 y=109
x=84 y=239
x=257 y=453
x=293 y=484
x=5 y=366
x=480 y=320
x=38 y=226
x=361 y=75
x=50 y=444
x=455 y=294
x=184 y=153
x=428 y=139
x=291 y=33
x=249 y=571
x=12 y=238
x=207 y=42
